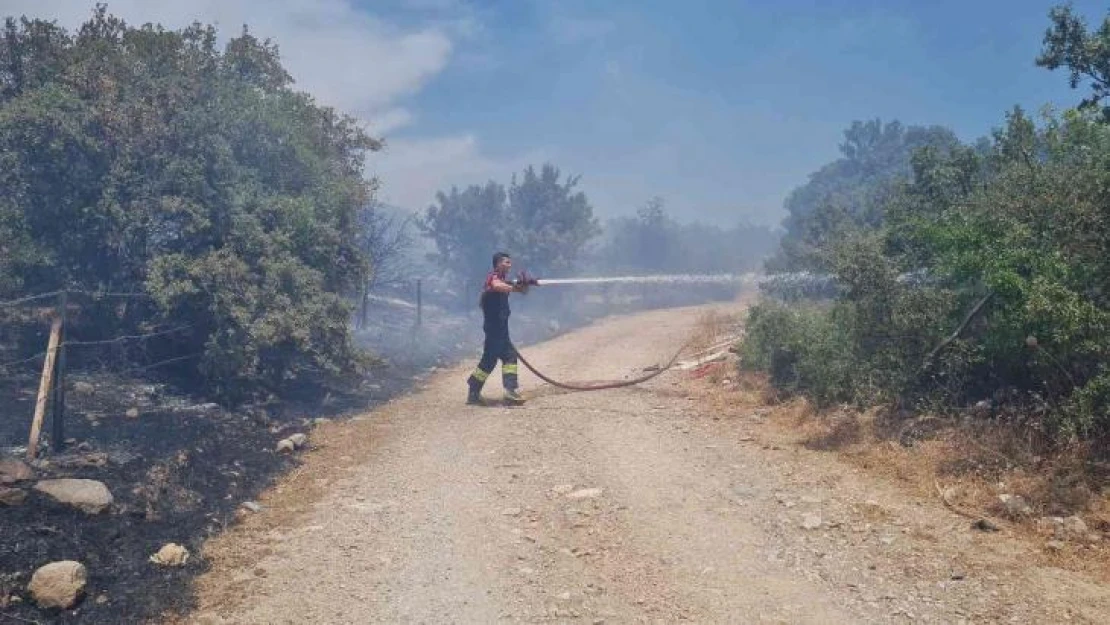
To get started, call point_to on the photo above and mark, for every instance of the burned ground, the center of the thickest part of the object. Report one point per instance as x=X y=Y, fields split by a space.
x=179 y=472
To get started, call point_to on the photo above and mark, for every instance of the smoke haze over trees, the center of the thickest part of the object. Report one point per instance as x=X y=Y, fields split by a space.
x=550 y=229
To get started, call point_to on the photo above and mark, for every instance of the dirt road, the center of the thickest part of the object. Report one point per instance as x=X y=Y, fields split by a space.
x=632 y=505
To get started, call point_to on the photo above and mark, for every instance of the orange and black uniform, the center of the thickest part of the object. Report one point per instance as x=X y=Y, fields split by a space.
x=495 y=323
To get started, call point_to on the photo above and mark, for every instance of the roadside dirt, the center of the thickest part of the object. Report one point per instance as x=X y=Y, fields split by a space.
x=632 y=505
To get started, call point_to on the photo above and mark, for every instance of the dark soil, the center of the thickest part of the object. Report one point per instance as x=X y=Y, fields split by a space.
x=179 y=472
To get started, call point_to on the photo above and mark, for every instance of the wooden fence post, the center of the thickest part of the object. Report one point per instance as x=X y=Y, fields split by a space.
x=58 y=420
x=44 y=388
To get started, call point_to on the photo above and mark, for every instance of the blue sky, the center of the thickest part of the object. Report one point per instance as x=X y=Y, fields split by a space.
x=719 y=107
x=722 y=107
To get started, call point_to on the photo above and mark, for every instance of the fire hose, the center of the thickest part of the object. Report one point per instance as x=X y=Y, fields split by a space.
x=524 y=281
x=600 y=386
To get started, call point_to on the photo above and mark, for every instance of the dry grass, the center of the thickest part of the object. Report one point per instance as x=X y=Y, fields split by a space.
x=970 y=463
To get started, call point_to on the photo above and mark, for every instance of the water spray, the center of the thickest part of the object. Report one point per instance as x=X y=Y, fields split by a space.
x=785 y=280
x=655 y=279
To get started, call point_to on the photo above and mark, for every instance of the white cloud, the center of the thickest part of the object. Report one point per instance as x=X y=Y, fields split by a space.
x=383 y=123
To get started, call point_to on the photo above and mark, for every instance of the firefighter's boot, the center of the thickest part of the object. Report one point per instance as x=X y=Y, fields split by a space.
x=513 y=398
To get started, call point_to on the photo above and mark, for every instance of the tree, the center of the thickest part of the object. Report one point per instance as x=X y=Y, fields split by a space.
x=648 y=242
x=549 y=223
x=467 y=227
x=849 y=194
x=541 y=220
x=385 y=237
x=151 y=161
x=1086 y=55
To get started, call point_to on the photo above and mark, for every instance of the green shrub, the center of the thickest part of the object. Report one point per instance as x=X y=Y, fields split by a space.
x=148 y=161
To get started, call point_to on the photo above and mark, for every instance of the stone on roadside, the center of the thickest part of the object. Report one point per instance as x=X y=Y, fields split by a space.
x=811 y=522
x=299 y=440
x=1070 y=528
x=89 y=496
x=132 y=413
x=1055 y=545
x=58 y=584
x=251 y=506
x=12 y=496
x=13 y=470
x=171 y=554
x=585 y=493
x=1015 y=505
x=286 y=445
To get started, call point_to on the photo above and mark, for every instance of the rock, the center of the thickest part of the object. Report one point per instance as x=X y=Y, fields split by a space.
x=562 y=489
x=585 y=493
x=299 y=440
x=983 y=525
x=12 y=496
x=1015 y=505
x=564 y=596
x=132 y=413
x=171 y=554
x=58 y=584
x=1055 y=545
x=511 y=512
x=83 y=388
x=251 y=506
x=286 y=446
x=1071 y=528
x=89 y=496
x=12 y=471
x=811 y=522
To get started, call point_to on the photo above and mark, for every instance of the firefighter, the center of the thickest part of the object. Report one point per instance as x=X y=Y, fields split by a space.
x=495 y=312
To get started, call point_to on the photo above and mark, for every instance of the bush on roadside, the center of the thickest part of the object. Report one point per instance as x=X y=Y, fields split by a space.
x=989 y=281
x=142 y=160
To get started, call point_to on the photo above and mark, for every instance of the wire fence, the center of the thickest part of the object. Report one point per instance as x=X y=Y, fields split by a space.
x=47 y=337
